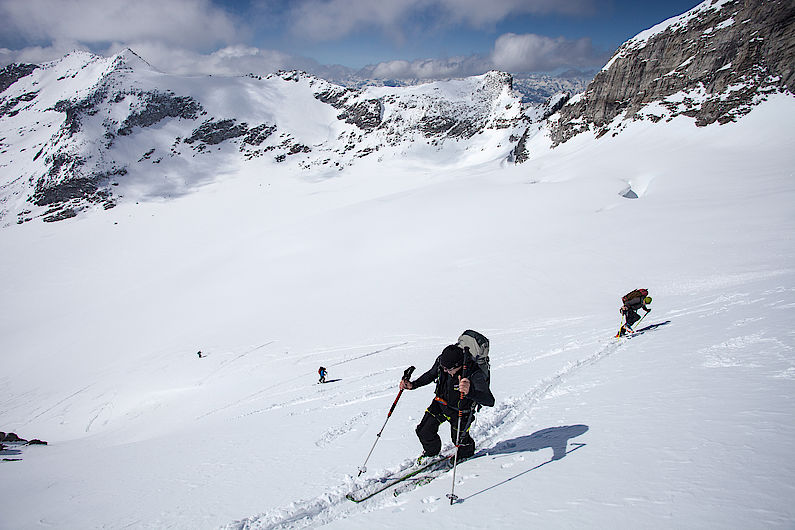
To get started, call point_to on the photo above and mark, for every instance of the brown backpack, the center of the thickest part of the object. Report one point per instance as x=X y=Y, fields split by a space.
x=634 y=299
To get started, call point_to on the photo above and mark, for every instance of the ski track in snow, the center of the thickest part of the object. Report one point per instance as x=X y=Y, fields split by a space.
x=107 y=406
x=360 y=395
x=335 y=432
x=227 y=362
x=288 y=383
x=492 y=426
x=64 y=400
x=369 y=354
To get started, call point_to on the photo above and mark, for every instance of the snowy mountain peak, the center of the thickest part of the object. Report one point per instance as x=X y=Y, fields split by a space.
x=130 y=60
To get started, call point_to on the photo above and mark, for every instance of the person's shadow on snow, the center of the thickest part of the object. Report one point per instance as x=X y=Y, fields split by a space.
x=555 y=438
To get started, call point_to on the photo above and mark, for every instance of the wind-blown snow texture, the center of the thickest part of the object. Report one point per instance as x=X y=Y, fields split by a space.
x=274 y=273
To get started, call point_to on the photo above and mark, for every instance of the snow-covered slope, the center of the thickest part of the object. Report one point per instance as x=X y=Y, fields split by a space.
x=271 y=276
x=271 y=269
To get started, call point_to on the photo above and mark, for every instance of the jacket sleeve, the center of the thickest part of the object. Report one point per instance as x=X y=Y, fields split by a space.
x=479 y=391
x=428 y=377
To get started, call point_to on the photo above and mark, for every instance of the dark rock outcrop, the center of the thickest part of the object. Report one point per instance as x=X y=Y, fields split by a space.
x=722 y=58
x=214 y=132
x=74 y=188
x=366 y=115
x=158 y=106
x=76 y=109
x=519 y=153
x=13 y=73
x=8 y=107
x=259 y=134
x=10 y=437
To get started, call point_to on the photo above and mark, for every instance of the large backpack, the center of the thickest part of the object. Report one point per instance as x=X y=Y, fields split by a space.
x=634 y=299
x=478 y=347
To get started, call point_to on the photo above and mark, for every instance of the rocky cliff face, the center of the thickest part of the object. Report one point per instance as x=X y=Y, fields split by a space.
x=713 y=63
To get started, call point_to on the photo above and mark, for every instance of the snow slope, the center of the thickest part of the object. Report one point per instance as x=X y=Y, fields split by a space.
x=272 y=275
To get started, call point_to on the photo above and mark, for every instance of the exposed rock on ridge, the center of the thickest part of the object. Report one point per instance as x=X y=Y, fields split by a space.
x=12 y=73
x=713 y=64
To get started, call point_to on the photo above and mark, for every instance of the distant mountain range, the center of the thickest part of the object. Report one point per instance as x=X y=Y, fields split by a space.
x=534 y=88
x=87 y=131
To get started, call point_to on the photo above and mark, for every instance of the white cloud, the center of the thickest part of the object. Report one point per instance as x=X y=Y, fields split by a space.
x=175 y=36
x=231 y=60
x=528 y=53
x=478 y=13
x=196 y=37
x=332 y=19
x=430 y=68
x=39 y=54
x=188 y=23
x=228 y=61
x=511 y=53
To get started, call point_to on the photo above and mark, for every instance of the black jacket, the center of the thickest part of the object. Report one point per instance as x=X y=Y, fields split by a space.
x=447 y=385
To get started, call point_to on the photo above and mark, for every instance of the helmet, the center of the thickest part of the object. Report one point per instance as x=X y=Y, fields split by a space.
x=647 y=300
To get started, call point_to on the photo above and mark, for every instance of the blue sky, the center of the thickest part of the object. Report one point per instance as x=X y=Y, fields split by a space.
x=405 y=38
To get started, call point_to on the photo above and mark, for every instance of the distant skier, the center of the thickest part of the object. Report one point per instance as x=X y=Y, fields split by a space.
x=460 y=385
x=633 y=301
x=199 y=353
x=322 y=373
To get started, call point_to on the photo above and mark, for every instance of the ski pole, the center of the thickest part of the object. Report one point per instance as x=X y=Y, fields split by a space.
x=620 y=325
x=406 y=377
x=452 y=496
x=641 y=318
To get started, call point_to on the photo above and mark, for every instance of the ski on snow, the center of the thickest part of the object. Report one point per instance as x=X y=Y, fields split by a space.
x=418 y=476
x=641 y=331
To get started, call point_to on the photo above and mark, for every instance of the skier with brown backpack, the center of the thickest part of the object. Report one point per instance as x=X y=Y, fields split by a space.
x=633 y=301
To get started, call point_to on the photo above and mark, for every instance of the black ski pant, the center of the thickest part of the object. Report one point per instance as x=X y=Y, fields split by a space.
x=632 y=317
x=428 y=429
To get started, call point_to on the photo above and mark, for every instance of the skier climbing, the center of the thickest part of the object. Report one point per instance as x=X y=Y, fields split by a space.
x=322 y=373
x=461 y=386
x=633 y=301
